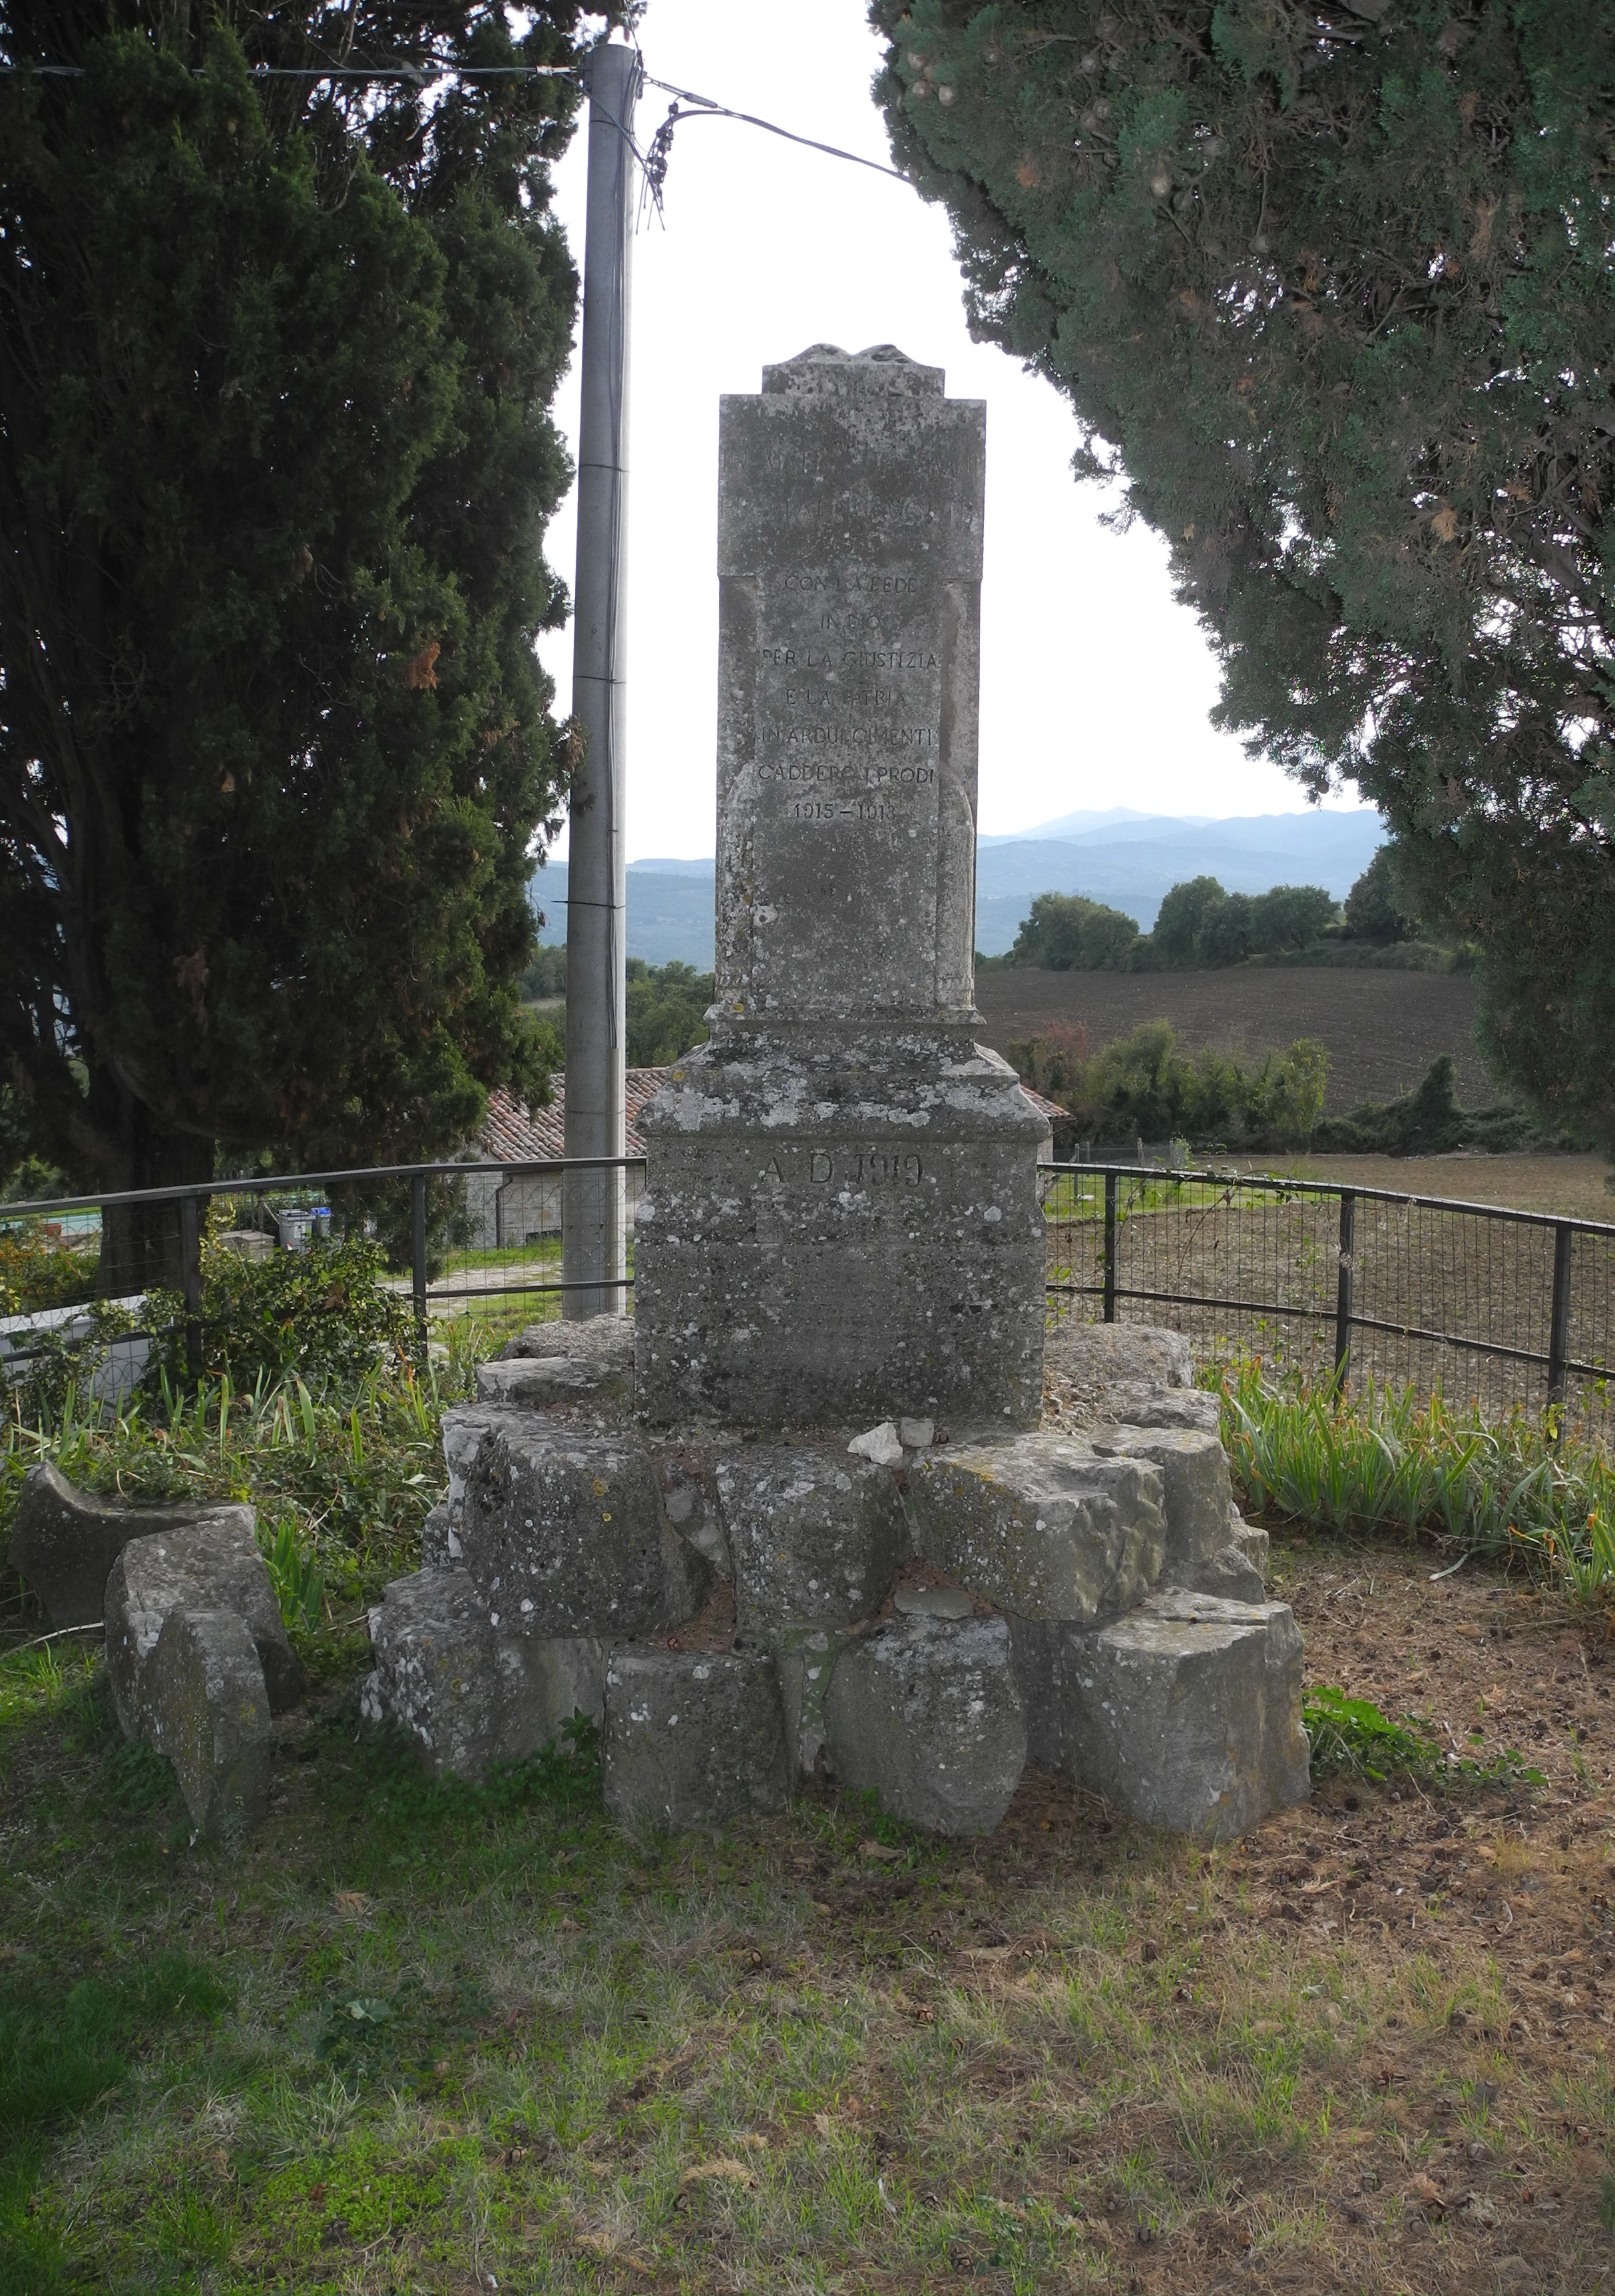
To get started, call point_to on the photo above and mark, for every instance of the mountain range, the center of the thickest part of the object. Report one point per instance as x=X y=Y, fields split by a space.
x=1128 y=860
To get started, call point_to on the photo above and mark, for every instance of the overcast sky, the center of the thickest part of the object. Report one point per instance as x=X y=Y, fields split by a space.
x=1095 y=686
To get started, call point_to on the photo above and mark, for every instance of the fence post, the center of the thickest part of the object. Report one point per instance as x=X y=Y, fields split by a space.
x=190 y=1267
x=1559 y=1323
x=1110 y=1247
x=1343 y=1288
x=417 y=1251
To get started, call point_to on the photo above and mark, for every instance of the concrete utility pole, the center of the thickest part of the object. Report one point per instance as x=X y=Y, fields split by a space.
x=591 y=1202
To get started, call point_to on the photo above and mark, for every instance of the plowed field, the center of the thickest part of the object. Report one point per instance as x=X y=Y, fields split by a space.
x=1383 y=1029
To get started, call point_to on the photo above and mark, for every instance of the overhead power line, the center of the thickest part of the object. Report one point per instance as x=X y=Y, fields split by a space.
x=661 y=142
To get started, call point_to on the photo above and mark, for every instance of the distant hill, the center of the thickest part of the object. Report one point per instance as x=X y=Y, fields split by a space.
x=1129 y=860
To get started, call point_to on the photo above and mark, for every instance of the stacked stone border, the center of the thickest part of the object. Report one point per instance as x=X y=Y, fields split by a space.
x=884 y=1609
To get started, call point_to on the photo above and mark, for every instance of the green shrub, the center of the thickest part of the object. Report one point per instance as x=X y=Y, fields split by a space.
x=325 y=1315
x=40 y=1267
x=1427 y=1121
x=1143 y=1086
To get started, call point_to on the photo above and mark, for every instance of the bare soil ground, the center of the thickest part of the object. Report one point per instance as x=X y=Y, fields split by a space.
x=1189 y=1253
x=1383 y=1029
x=1574 y=1187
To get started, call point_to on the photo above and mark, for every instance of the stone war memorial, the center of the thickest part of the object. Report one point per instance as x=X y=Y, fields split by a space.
x=829 y=1508
x=799 y=1518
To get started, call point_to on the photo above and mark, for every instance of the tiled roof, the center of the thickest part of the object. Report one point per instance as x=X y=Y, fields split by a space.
x=517 y=1135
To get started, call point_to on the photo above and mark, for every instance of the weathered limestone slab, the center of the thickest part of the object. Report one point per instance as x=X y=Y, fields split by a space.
x=64 y=1541
x=1040 y=1526
x=466 y=1427
x=565 y=1534
x=926 y=1714
x=1136 y=1405
x=806 y=1657
x=466 y=1694
x=1187 y=1713
x=692 y=1737
x=687 y=1473
x=1252 y=1542
x=814 y=1533
x=1099 y=1356
x=1202 y=1551
x=588 y=1364
x=207 y=1709
x=211 y=1564
x=606 y=1340
x=841 y=1219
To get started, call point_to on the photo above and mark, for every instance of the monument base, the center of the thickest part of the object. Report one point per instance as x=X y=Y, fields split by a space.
x=839 y=1229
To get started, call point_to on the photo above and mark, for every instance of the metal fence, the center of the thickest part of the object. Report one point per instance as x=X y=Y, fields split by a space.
x=1507 y=1308
x=455 y=1238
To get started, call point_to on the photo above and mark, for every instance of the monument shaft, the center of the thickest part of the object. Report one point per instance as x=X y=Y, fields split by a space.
x=841 y=1216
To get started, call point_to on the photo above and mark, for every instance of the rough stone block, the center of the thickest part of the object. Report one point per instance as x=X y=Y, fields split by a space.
x=466 y=1427
x=591 y=1338
x=926 y=1715
x=1252 y=1542
x=588 y=1364
x=211 y=1564
x=1098 y=1356
x=806 y=1657
x=64 y=1541
x=1199 y=1496
x=566 y=1535
x=207 y=1709
x=688 y=1476
x=814 y=1533
x=439 y=1540
x=1138 y=1406
x=1187 y=1714
x=1040 y=1526
x=1230 y=1573
x=692 y=1738
x=467 y=1694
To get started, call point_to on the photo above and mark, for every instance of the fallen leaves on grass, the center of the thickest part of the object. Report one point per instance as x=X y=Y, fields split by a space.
x=721 y=2171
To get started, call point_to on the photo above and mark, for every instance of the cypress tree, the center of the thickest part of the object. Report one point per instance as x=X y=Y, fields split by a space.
x=1329 y=290
x=275 y=463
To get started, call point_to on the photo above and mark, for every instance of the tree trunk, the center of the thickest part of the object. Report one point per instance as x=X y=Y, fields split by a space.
x=140 y=1243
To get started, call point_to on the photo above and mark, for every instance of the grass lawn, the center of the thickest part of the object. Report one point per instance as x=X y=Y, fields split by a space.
x=400 y=2039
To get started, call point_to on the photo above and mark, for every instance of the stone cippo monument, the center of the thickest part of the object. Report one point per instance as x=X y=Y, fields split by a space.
x=686 y=1525
x=842 y=1217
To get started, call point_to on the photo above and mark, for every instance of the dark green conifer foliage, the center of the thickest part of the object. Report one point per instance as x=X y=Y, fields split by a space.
x=275 y=463
x=1330 y=287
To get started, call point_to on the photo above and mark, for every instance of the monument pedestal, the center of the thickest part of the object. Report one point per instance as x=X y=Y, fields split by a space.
x=841 y=1230
x=841 y=1219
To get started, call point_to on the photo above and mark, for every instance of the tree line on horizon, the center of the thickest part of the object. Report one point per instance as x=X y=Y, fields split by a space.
x=1200 y=925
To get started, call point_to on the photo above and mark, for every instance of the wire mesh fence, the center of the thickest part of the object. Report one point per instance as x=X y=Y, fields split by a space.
x=500 y=1241
x=1509 y=1309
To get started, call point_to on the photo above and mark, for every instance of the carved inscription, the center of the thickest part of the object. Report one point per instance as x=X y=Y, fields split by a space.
x=844 y=1167
x=849 y=698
